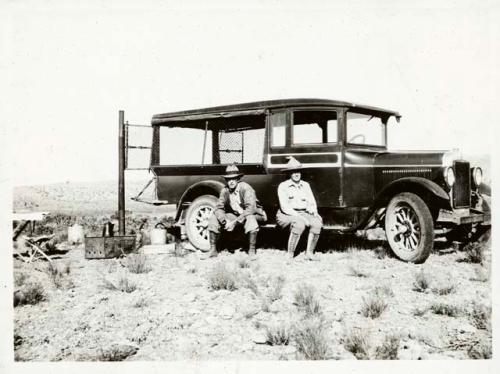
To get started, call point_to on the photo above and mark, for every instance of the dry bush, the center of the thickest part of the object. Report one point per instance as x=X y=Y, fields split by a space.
x=380 y=252
x=474 y=252
x=32 y=293
x=480 y=316
x=59 y=273
x=421 y=282
x=243 y=263
x=222 y=278
x=20 y=278
x=279 y=334
x=445 y=309
x=141 y=303
x=248 y=282
x=306 y=301
x=482 y=350
x=356 y=342
x=138 y=263
x=384 y=290
x=116 y=353
x=389 y=348
x=445 y=289
x=419 y=312
x=124 y=284
x=373 y=306
x=311 y=340
x=481 y=274
x=356 y=272
x=276 y=288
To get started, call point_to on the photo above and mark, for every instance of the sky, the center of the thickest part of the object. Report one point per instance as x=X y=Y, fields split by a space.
x=69 y=67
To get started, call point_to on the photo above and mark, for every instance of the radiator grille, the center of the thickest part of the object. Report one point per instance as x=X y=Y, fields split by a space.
x=461 y=188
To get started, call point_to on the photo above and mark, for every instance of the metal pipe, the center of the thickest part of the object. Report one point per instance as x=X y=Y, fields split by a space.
x=204 y=143
x=121 y=173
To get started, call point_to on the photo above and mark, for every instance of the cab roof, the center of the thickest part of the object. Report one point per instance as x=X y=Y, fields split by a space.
x=258 y=107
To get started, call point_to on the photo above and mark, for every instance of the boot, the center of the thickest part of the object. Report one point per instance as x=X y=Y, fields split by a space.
x=312 y=240
x=252 y=240
x=293 y=240
x=213 y=236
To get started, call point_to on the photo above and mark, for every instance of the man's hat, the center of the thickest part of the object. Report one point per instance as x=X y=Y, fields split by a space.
x=293 y=165
x=232 y=171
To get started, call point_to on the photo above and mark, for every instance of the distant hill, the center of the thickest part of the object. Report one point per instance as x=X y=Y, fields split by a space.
x=81 y=197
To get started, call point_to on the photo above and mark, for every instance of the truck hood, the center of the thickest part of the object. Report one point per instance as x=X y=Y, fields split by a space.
x=412 y=158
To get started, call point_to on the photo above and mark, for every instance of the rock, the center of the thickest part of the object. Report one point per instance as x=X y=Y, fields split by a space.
x=246 y=347
x=259 y=338
x=189 y=298
x=227 y=312
x=465 y=328
x=211 y=320
x=119 y=351
x=410 y=350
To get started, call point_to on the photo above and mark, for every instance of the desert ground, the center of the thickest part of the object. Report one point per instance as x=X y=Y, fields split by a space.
x=356 y=302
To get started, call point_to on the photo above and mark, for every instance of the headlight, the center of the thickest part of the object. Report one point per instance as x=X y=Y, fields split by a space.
x=449 y=176
x=477 y=176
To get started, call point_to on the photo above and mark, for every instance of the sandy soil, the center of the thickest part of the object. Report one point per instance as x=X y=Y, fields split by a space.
x=173 y=314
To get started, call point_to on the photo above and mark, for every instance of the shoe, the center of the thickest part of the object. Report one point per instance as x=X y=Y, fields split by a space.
x=213 y=236
x=252 y=240
x=312 y=240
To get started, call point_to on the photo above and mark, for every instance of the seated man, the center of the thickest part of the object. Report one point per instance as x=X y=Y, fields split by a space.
x=298 y=210
x=237 y=205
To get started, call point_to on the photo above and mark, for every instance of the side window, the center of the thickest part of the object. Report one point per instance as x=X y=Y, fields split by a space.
x=314 y=127
x=278 y=129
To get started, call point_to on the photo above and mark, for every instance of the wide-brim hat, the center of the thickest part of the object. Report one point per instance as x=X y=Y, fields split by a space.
x=232 y=171
x=293 y=165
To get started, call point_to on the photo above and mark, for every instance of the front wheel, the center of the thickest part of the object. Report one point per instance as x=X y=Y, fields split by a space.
x=409 y=227
x=197 y=216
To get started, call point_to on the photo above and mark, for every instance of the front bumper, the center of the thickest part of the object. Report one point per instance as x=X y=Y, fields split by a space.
x=464 y=216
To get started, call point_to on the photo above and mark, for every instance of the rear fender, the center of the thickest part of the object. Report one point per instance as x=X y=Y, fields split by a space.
x=207 y=187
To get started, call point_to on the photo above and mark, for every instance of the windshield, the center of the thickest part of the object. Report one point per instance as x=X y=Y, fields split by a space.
x=365 y=129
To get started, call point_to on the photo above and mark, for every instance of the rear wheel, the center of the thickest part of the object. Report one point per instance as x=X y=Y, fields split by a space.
x=409 y=228
x=197 y=216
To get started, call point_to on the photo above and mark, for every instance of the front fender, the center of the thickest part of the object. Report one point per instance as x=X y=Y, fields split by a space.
x=206 y=187
x=425 y=188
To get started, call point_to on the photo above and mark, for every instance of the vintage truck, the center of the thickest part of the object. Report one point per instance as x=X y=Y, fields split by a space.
x=416 y=196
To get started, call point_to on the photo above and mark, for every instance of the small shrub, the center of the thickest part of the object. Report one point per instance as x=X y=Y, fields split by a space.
x=305 y=300
x=373 y=306
x=265 y=306
x=445 y=290
x=356 y=342
x=59 y=274
x=221 y=278
x=355 y=272
x=380 y=252
x=20 y=278
x=278 y=334
x=141 y=303
x=243 y=263
x=481 y=275
x=480 y=316
x=445 y=309
x=124 y=284
x=482 y=350
x=138 y=263
x=384 y=290
x=422 y=282
x=419 y=312
x=389 y=348
x=474 y=252
x=248 y=282
x=311 y=340
x=276 y=290
x=32 y=293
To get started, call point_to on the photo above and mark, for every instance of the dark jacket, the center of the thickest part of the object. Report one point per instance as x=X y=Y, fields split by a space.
x=249 y=203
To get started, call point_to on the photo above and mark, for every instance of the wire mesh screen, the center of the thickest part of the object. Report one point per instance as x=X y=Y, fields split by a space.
x=241 y=146
x=231 y=147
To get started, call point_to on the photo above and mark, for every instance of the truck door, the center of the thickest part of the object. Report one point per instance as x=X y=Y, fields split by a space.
x=312 y=137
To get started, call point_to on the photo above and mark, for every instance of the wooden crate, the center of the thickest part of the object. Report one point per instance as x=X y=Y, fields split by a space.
x=108 y=246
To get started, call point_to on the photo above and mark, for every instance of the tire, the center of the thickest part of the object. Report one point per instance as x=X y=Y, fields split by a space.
x=196 y=221
x=409 y=228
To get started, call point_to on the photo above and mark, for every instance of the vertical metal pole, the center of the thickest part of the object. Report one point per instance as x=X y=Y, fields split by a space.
x=121 y=173
x=204 y=143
